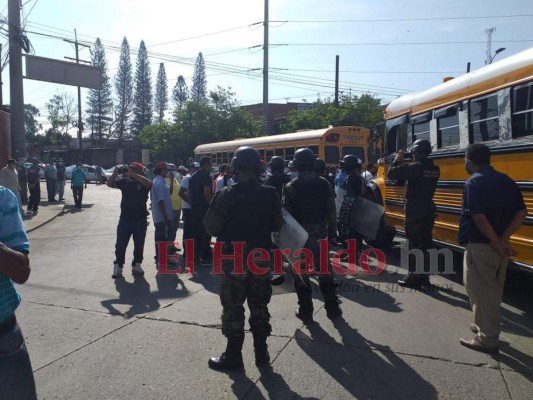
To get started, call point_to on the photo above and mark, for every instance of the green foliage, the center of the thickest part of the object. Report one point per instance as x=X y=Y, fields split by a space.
x=61 y=112
x=218 y=119
x=142 y=100
x=100 y=103
x=30 y=123
x=124 y=92
x=161 y=93
x=364 y=111
x=199 y=81
x=180 y=94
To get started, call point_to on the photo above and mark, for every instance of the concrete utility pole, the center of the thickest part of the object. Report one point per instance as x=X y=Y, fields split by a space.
x=265 y=72
x=77 y=59
x=16 y=89
x=489 y=32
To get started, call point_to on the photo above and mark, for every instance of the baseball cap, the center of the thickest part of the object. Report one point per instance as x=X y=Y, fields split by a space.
x=162 y=165
x=137 y=167
x=182 y=168
x=196 y=165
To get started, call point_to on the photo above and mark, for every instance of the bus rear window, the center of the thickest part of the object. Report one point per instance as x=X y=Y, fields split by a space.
x=332 y=155
x=356 y=151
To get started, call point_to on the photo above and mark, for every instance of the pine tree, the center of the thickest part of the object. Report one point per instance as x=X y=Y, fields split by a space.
x=100 y=103
x=161 y=93
x=142 y=99
x=180 y=94
x=124 y=92
x=199 y=82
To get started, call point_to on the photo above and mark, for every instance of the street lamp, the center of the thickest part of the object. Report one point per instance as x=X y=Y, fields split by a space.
x=496 y=53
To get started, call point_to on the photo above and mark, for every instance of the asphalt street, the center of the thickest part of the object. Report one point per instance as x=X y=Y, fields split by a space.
x=92 y=337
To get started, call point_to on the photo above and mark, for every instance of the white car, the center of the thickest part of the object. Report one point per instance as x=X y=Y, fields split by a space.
x=90 y=173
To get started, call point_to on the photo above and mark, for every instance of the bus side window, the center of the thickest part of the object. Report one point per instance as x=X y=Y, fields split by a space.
x=289 y=153
x=420 y=131
x=279 y=152
x=447 y=126
x=269 y=154
x=522 y=110
x=483 y=114
x=314 y=149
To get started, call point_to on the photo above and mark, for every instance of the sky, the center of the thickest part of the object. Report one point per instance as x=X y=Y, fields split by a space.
x=386 y=47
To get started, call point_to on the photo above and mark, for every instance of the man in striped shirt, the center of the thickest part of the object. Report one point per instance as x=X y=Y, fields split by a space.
x=16 y=374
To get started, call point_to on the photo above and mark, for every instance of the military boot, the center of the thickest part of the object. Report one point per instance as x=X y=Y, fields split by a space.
x=231 y=359
x=262 y=358
x=331 y=302
x=305 y=302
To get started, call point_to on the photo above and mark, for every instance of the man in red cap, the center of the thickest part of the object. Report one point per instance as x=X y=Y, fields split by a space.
x=129 y=179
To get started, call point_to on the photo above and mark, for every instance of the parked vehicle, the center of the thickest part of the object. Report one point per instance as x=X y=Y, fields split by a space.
x=90 y=171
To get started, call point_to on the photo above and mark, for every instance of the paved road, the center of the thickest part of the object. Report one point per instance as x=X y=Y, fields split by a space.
x=91 y=337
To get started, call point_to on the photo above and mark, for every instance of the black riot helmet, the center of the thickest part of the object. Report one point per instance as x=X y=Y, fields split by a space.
x=276 y=162
x=246 y=157
x=350 y=162
x=319 y=166
x=421 y=148
x=304 y=159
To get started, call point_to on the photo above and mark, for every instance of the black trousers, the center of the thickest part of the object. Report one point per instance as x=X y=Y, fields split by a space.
x=77 y=192
x=202 y=240
x=35 y=197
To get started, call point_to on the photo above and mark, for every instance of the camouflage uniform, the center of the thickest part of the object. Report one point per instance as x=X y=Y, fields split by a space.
x=245 y=212
x=306 y=199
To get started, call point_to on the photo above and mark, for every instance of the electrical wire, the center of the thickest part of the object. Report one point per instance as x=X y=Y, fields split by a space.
x=404 y=19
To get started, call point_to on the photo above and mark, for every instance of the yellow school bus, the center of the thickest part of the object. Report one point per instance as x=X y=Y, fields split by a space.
x=492 y=105
x=330 y=144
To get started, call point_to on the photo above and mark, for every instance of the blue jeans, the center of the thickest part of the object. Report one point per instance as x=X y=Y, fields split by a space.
x=125 y=230
x=16 y=374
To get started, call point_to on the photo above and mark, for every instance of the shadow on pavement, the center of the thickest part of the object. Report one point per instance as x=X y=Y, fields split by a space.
x=363 y=372
x=137 y=294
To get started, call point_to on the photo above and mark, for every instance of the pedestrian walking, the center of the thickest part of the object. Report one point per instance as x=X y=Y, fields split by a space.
x=34 y=186
x=310 y=199
x=493 y=209
x=421 y=178
x=245 y=212
x=200 y=193
x=16 y=373
x=61 y=178
x=77 y=183
x=161 y=208
x=50 y=174
x=134 y=187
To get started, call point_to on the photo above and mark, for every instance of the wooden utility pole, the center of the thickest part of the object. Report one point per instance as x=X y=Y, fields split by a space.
x=16 y=89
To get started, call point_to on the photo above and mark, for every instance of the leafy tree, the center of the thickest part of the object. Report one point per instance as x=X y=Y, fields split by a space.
x=124 y=92
x=100 y=103
x=364 y=111
x=142 y=100
x=199 y=82
x=180 y=93
x=61 y=112
x=218 y=119
x=161 y=93
x=31 y=127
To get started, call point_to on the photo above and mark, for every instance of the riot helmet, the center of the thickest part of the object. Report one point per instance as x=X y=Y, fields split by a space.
x=319 y=166
x=246 y=157
x=421 y=148
x=350 y=162
x=304 y=159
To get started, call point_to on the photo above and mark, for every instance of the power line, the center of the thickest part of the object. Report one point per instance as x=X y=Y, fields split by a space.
x=403 y=19
x=199 y=36
x=402 y=43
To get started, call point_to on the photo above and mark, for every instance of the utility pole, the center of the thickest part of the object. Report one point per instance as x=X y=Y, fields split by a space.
x=489 y=32
x=16 y=89
x=77 y=59
x=336 y=81
x=265 y=72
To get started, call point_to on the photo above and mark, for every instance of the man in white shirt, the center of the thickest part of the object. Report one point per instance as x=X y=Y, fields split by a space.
x=186 y=206
x=225 y=180
x=370 y=172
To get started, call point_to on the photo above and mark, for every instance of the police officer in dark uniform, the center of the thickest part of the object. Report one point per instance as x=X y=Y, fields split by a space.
x=245 y=212
x=310 y=199
x=320 y=169
x=421 y=177
x=278 y=178
x=355 y=185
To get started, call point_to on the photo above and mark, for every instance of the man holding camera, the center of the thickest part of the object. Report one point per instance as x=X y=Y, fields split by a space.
x=135 y=188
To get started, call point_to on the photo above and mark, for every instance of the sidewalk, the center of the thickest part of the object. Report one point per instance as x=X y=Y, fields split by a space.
x=47 y=211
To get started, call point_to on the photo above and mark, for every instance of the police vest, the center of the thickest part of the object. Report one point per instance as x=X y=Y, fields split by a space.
x=309 y=200
x=421 y=186
x=277 y=181
x=250 y=214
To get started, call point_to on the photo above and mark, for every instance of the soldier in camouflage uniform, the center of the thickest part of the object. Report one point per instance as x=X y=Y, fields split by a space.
x=245 y=212
x=310 y=199
x=422 y=177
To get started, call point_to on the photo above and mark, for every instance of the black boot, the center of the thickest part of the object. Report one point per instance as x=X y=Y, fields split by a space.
x=305 y=302
x=262 y=358
x=331 y=303
x=231 y=359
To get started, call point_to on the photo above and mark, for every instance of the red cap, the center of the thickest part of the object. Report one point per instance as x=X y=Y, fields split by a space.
x=137 y=167
x=162 y=165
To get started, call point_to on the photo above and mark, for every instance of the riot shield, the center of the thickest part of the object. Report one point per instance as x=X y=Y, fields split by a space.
x=365 y=217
